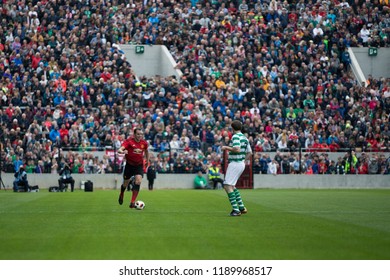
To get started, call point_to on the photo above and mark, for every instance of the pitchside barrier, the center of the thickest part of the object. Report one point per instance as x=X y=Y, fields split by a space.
x=186 y=181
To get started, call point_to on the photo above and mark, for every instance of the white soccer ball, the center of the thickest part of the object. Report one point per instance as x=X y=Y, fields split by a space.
x=139 y=205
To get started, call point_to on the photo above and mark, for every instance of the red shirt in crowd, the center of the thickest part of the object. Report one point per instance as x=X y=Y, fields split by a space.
x=363 y=168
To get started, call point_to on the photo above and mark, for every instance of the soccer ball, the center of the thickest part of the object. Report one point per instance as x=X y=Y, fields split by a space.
x=139 y=205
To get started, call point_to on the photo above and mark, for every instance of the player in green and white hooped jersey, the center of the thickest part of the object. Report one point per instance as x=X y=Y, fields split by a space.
x=239 y=150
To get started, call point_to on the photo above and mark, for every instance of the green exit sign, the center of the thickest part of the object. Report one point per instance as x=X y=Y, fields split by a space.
x=372 y=51
x=139 y=49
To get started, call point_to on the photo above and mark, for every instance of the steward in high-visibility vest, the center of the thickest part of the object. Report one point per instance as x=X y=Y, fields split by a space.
x=350 y=164
x=215 y=176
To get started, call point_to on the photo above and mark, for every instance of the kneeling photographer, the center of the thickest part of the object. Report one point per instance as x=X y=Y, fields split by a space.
x=21 y=180
x=66 y=178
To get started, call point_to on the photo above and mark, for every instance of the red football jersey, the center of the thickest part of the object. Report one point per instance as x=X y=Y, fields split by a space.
x=136 y=150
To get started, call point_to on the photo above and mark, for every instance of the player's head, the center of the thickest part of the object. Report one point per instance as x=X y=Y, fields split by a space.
x=236 y=125
x=138 y=133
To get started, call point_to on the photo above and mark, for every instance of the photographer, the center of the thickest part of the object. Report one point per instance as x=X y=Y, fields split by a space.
x=21 y=180
x=65 y=178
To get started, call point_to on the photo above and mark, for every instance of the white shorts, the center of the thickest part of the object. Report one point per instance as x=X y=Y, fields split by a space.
x=234 y=172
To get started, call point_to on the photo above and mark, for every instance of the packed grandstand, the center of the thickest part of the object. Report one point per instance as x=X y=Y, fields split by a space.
x=68 y=93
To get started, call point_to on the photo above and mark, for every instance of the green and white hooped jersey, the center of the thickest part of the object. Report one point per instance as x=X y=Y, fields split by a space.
x=239 y=140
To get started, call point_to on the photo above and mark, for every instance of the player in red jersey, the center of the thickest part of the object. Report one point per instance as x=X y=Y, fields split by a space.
x=135 y=150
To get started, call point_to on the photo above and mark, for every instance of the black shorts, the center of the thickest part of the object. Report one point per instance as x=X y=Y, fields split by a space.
x=132 y=170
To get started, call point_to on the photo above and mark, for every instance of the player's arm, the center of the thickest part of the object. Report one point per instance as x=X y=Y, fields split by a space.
x=248 y=152
x=122 y=150
x=235 y=146
x=234 y=149
x=147 y=156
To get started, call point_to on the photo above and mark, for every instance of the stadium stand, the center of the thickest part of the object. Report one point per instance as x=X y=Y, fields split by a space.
x=68 y=93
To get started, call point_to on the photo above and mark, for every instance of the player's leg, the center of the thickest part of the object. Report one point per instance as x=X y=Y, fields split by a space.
x=233 y=173
x=239 y=201
x=136 y=187
x=237 y=193
x=126 y=180
x=232 y=199
x=131 y=183
x=230 y=181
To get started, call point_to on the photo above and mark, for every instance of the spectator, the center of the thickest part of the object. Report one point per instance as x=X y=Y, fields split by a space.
x=200 y=182
x=40 y=168
x=373 y=166
x=340 y=166
x=273 y=167
x=94 y=140
x=285 y=165
x=264 y=161
x=17 y=163
x=175 y=144
x=363 y=165
x=55 y=135
x=257 y=166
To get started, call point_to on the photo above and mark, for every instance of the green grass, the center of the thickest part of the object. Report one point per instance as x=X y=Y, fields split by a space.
x=194 y=225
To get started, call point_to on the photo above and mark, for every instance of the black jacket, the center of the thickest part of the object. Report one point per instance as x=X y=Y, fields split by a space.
x=151 y=173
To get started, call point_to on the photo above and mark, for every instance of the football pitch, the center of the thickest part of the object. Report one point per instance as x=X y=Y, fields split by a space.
x=194 y=225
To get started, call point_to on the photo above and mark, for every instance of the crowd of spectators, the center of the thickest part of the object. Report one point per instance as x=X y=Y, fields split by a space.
x=281 y=67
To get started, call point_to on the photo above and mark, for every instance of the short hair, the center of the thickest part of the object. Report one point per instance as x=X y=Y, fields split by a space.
x=236 y=125
x=137 y=129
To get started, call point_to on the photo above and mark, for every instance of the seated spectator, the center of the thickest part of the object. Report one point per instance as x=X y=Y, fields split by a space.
x=322 y=166
x=333 y=146
x=298 y=166
x=264 y=160
x=21 y=180
x=373 y=166
x=318 y=147
x=315 y=166
x=282 y=145
x=30 y=166
x=285 y=165
x=175 y=144
x=195 y=143
x=363 y=165
x=340 y=166
x=257 y=166
x=273 y=167
x=65 y=178
x=94 y=140
x=200 y=182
